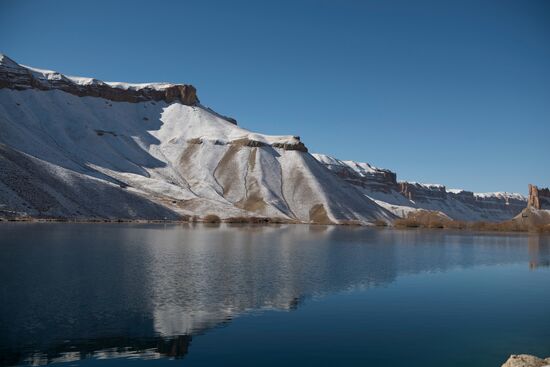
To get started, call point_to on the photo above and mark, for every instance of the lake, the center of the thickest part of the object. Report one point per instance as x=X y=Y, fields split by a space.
x=293 y=295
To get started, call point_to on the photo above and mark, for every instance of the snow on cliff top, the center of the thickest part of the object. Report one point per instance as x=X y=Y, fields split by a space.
x=504 y=194
x=6 y=61
x=120 y=85
x=85 y=81
x=46 y=74
x=487 y=195
x=361 y=168
x=426 y=185
x=456 y=191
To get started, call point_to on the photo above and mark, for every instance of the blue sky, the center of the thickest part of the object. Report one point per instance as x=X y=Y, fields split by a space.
x=451 y=92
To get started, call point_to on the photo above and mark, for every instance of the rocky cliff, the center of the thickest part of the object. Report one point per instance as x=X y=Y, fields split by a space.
x=360 y=174
x=416 y=191
x=538 y=198
x=18 y=77
x=402 y=198
x=536 y=215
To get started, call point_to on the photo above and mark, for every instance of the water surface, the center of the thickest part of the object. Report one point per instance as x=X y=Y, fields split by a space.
x=119 y=294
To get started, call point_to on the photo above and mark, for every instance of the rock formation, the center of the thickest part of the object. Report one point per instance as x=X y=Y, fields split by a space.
x=538 y=198
x=401 y=197
x=18 y=77
x=415 y=191
x=526 y=360
x=360 y=174
x=537 y=213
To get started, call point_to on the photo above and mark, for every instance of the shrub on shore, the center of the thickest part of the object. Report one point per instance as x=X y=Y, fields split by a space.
x=350 y=223
x=244 y=219
x=258 y=220
x=454 y=224
x=211 y=218
x=406 y=223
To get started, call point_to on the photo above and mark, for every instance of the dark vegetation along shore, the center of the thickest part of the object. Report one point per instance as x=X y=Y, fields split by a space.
x=417 y=220
x=435 y=220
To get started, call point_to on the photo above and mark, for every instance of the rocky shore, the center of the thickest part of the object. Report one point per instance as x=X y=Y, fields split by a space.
x=526 y=360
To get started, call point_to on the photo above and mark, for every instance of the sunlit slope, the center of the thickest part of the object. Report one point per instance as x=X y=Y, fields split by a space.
x=176 y=159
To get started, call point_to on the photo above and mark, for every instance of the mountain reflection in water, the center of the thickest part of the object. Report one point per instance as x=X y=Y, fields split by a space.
x=72 y=291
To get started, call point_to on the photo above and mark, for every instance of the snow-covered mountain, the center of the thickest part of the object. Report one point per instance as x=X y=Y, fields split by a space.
x=79 y=147
x=402 y=198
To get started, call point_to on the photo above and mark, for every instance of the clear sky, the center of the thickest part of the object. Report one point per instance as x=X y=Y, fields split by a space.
x=451 y=92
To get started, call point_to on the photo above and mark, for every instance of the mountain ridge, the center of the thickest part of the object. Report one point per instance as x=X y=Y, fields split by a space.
x=155 y=145
x=184 y=157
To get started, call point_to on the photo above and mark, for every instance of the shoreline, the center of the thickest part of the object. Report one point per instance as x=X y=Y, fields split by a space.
x=451 y=226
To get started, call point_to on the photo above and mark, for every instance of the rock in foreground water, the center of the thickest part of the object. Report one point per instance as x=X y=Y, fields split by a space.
x=526 y=360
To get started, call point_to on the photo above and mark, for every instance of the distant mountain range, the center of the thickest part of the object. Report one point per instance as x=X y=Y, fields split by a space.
x=73 y=147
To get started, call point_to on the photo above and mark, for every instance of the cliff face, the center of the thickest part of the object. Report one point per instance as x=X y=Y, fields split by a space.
x=416 y=191
x=360 y=174
x=402 y=198
x=538 y=198
x=18 y=77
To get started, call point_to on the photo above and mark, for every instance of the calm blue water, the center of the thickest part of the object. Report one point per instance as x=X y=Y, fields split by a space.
x=119 y=294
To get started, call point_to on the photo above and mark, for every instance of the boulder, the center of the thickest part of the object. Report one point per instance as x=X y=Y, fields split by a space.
x=526 y=360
